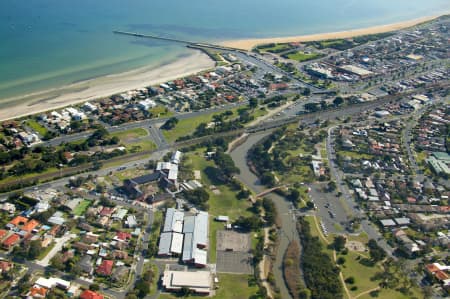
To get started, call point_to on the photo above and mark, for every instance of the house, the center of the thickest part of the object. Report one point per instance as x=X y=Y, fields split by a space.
x=57 y=218
x=5 y=266
x=86 y=264
x=106 y=211
x=30 y=226
x=52 y=282
x=3 y=233
x=90 y=238
x=37 y=292
x=17 y=222
x=131 y=221
x=88 y=294
x=105 y=268
x=122 y=236
x=11 y=241
x=119 y=254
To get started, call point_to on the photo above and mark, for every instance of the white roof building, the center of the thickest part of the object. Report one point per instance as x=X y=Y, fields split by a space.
x=197 y=281
x=177 y=243
x=176 y=157
x=52 y=282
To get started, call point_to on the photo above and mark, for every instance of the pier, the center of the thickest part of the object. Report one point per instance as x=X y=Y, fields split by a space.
x=190 y=44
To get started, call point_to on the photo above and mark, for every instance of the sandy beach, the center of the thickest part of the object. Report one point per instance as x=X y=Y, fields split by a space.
x=248 y=44
x=103 y=86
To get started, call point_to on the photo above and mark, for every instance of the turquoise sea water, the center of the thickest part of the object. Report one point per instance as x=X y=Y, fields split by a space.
x=48 y=43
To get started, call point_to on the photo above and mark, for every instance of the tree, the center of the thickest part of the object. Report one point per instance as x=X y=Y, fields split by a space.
x=253 y=103
x=294 y=196
x=94 y=287
x=248 y=223
x=268 y=179
x=331 y=186
x=350 y=280
x=339 y=243
x=34 y=249
x=170 y=123
x=306 y=92
x=376 y=252
x=338 y=101
x=312 y=107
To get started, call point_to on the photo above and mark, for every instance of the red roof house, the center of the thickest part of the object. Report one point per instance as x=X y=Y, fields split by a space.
x=123 y=236
x=3 y=233
x=18 y=221
x=106 y=211
x=29 y=226
x=105 y=268
x=11 y=241
x=88 y=294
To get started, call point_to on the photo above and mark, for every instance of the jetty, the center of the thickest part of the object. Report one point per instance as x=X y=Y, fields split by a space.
x=191 y=44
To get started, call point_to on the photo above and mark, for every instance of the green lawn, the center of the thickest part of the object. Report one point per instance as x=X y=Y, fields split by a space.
x=130 y=134
x=276 y=48
x=160 y=111
x=186 y=127
x=140 y=146
x=82 y=207
x=301 y=56
x=230 y=286
x=36 y=127
x=362 y=274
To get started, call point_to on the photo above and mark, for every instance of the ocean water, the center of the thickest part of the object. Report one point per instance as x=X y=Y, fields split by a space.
x=49 y=43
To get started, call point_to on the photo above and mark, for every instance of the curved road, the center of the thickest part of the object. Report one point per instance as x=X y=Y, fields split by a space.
x=288 y=231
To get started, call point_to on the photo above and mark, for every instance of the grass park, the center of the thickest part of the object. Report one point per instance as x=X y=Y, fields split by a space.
x=355 y=267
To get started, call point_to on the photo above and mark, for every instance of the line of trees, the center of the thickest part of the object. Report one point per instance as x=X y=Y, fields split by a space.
x=320 y=273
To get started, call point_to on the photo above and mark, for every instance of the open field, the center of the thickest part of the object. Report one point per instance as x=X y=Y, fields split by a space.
x=130 y=134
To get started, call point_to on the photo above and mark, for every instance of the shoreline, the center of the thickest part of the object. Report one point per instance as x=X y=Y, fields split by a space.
x=249 y=44
x=103 y=86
